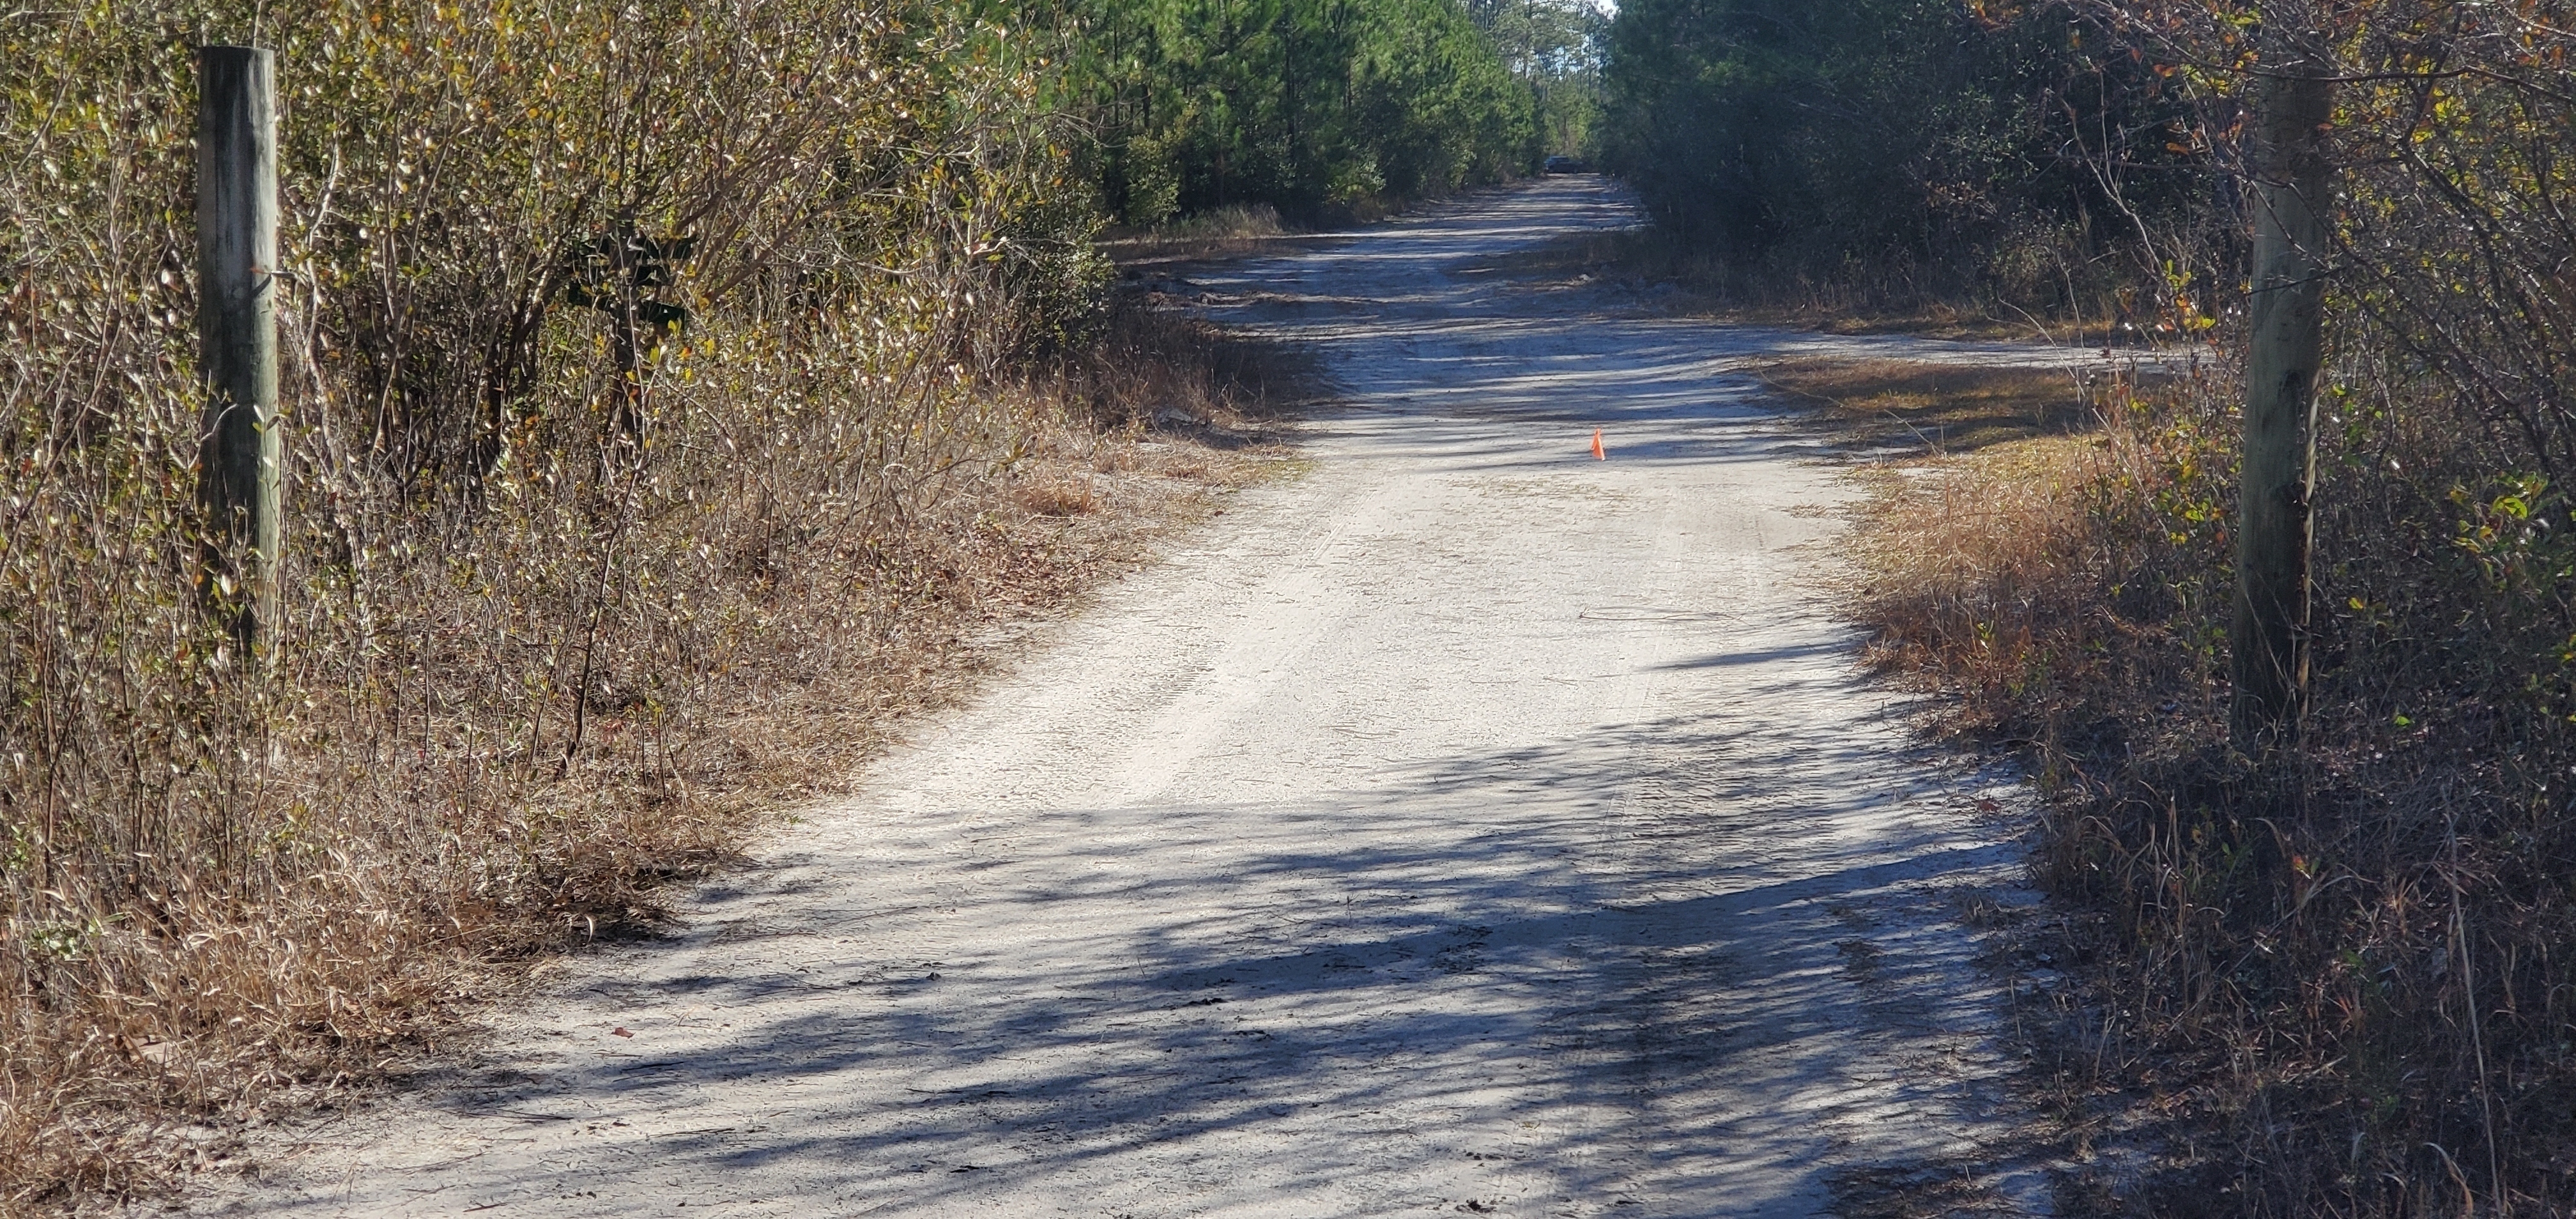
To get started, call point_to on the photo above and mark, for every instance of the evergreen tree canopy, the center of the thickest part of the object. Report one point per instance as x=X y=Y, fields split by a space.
x=1918 y=129
x=1317 y=107
x=1555 y=46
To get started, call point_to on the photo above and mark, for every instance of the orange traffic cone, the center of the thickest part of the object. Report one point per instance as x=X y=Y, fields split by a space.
x=1597 y=454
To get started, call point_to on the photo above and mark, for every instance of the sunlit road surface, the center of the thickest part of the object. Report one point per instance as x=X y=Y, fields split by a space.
x=1467 y=826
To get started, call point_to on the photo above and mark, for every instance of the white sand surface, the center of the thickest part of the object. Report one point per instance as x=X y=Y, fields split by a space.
x=1467 y=826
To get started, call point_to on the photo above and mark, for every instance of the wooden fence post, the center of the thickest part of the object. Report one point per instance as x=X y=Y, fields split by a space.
x=237 y=334
x=2268 y=645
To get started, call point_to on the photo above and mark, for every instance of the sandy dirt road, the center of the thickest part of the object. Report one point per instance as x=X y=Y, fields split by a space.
x=1468 y=826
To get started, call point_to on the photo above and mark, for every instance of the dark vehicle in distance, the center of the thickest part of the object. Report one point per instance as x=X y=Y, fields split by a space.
x=1562 y=165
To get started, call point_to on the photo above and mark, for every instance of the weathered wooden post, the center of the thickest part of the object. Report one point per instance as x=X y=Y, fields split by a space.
x=2294 y=100
x=237 y=334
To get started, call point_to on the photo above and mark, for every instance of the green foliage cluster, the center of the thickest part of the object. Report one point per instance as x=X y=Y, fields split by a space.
x=1319 y=108
x=1898 y=138
x=1556 y=46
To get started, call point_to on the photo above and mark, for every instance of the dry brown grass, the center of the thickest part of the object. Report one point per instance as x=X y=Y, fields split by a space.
x=1985 y=556
x=2330 y=982
x=1235 y=231
x=1943 y=408
x=419 y=846
x=1877 y=297
x=583 y=571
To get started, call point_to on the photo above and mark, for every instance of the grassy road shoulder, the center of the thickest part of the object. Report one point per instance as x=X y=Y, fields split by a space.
x=2329 y=974
x=766 y=640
